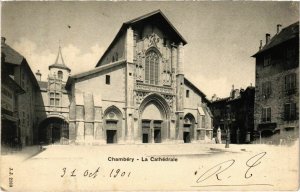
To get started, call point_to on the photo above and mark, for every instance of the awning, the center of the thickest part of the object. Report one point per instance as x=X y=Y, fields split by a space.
x=200 y=111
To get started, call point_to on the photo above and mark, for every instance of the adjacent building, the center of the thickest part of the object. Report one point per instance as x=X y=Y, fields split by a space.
x=18 y=96
x=276 y=110
x=234 y=114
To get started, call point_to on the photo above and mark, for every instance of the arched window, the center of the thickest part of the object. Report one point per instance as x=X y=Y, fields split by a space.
x=152 y=68
x=60 y=74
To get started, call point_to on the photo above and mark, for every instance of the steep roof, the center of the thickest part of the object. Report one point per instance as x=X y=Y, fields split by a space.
x=43 y=84
x=157 y=15
x=10 y=55
x=287 y=33
x=187 y=82
x=59 y=62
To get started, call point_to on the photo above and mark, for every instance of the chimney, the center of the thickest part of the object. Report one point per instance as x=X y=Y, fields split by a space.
x=278 y=28
x=260 y=45
x=232 y=92
x=214 y=97
x=268 y=36
x=3 y=40
x=38 y=75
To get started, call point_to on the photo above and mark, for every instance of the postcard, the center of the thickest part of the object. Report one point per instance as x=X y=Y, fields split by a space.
x=149 y=96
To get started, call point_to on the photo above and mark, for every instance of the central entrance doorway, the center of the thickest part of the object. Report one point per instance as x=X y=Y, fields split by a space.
x=151 y=124
x=157 y=131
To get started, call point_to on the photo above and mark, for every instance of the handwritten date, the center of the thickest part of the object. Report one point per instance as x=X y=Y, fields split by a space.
x=114 y=173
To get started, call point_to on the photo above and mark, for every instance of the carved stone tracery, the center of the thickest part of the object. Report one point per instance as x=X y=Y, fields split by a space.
x=152 y=42
x=140 y=95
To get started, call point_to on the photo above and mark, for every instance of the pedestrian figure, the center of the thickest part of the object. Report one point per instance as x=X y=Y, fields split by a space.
x=219 y=136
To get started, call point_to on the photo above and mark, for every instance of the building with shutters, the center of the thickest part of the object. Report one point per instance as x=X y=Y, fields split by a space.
x=18 y=96
x=234 y=113
x=276 y=109
x=137 y=93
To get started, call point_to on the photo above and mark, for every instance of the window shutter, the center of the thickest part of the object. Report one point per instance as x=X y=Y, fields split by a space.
x=293 y=83
x=293 y=111
x=285 y=83
x=269 y=114
x=286 y=111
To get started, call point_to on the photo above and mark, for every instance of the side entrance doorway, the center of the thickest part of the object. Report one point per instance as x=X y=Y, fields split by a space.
x=112 y=125
x=111 y=131
x=188 y=128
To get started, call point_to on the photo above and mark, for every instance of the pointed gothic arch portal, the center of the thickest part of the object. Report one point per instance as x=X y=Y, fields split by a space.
x=154 y=119
x=112 y=124
x=53 y=130
x=188 y=128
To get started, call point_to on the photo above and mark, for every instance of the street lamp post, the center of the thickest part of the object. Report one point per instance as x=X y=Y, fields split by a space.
x=228 y=121
x=227 y=135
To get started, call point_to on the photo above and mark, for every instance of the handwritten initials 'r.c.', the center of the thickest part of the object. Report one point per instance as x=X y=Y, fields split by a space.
x=252 y=164
x=216 y=170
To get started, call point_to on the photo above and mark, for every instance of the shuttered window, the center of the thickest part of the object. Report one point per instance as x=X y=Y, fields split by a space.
x=266 y=114
x=266 y=89
x=290 y=83
x=290 y=111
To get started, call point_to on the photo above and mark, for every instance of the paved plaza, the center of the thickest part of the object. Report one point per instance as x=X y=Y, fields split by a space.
x=138 y=167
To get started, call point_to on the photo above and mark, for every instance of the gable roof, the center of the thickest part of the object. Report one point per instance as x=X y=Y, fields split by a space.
x=155 y=14
x=160 y=15
x=287 y=33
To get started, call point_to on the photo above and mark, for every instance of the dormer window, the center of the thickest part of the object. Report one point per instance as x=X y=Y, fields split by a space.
x=60 y=74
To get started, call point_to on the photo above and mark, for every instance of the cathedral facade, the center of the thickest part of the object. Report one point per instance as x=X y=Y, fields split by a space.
x=137 y=93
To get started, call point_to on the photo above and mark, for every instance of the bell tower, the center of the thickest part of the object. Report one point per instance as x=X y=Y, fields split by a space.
x=59 y=70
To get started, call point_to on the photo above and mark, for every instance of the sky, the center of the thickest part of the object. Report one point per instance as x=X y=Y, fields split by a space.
x=221 y=36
